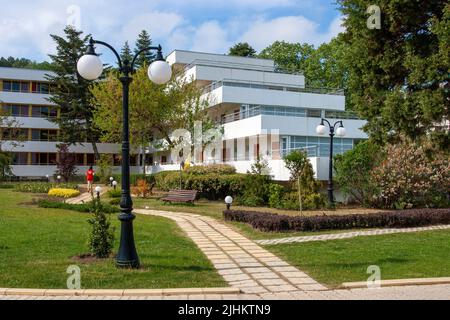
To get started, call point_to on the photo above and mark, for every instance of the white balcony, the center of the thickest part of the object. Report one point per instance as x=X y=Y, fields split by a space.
x=25 y=98
x=45 y=146
x=34 y=123
x=246 y=94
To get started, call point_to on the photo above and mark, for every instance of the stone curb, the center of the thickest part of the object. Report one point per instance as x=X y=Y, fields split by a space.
x=398 y=282
x=116 y=292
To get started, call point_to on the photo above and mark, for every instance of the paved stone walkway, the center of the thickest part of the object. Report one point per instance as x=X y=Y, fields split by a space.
x=347 y=235
x=85 y=197
x=429 y=292
x=241 y=262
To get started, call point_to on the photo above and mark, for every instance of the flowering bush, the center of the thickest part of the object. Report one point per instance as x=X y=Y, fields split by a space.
x=63 y=193
x=42 y=187
x=412 y=175
x=142 y=188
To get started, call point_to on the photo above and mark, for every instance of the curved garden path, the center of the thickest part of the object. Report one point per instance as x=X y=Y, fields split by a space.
x=241 y=262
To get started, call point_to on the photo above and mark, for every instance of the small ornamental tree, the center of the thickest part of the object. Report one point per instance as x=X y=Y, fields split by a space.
x=5 y=166
x=413 y=175
x=101 y=239
x=302 y=173
x=353 y=171
x=66 y=162
x=256 y=183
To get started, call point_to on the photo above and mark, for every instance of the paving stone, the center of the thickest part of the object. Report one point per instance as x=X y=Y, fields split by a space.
x=236 y=277
x=265 y=275
x=281 y=288
x=272 y=282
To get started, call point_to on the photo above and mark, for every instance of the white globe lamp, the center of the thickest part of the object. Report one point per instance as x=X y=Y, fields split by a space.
x=90 y=67
x=159 y=72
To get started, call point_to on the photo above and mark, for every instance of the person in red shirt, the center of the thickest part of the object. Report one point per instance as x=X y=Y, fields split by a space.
x=90 y=178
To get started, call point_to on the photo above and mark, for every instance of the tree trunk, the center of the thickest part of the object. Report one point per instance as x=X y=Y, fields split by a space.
x=299 y=194
x=96 y=153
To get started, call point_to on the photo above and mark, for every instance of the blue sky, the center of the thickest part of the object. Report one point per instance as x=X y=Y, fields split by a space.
x=200 y=25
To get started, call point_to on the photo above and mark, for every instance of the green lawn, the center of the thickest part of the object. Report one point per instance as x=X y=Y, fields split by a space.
x=400 y=256
x=36 y=246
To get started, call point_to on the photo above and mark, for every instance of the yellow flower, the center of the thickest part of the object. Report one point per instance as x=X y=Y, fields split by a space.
x=63 y=193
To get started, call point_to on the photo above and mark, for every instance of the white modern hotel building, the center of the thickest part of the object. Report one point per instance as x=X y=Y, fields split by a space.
x=263 y=111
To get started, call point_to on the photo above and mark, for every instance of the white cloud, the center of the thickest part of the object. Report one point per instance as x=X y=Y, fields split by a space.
x=210 y=37
x=263 y=32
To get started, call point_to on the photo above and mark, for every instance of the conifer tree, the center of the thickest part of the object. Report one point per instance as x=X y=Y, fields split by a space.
x=125 y=53
x=70 y=91
x=143 y=41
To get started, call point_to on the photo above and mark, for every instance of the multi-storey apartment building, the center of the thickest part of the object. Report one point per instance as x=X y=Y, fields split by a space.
x=264 y=111
x=23 y=96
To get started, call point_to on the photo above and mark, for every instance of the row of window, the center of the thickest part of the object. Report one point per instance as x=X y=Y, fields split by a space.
x=49 y=158
x=23 y=110
x=21 y=134
x=316 y=146
x=24 y=86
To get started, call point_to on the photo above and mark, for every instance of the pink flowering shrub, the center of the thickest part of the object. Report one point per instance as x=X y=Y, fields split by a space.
x=412 y=175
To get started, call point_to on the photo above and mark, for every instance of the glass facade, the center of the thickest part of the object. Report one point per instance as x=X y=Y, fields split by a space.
x=315 y=146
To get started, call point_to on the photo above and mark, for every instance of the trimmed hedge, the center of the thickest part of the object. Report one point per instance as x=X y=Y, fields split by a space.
x=84 y=207
x=212 y=186
x=398 y=219
x=42 y=187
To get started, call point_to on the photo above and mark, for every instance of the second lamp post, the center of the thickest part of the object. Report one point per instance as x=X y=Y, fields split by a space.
x=90 y=67
x=340 y=132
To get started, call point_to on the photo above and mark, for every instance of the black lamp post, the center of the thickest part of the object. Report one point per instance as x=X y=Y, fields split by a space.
x=90 y=67
x=340 y=131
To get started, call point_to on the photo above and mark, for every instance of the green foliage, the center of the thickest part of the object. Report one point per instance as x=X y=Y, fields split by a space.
x=302 y=175
x=256 y=184
x=212 y=168
x=242 y=49
x=353 y=171
x=101 y=239
x=105 y=167
x=212 y=186
x=114 y=201
x=24 y=63
x=143 y=41
x=42 y=187
x=276 y=192
x=5 y=166
x=6 y=186
x=125 y=53
x=398 y=75
x=288 y=56
x=83 y=207
x=114 y=193
x=71 y=92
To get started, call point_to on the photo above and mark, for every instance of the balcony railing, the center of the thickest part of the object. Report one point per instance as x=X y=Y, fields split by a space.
x=270 y=86
x=286 y=112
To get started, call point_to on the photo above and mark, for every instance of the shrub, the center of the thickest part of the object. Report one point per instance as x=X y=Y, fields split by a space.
x=114 y=201
x=101 y=238
x=142 y=188
x=63 y=193
x=414 y=174
x=353 y=171
x=211 y=186
x=6 y=186
x=256 y=184
x=398 y=219
x=212 y=168
x=42 y=187
x=114 y=193
x=66 y=163
x=302 y=175
x=83 y=207
x=276 y=192
x=134 y=177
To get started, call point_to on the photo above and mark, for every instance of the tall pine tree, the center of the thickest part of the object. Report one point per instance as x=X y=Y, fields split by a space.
x=71 y=92
x=125 y=53
x=143 y=41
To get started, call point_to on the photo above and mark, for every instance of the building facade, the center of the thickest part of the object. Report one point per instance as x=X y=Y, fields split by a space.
x=264 y=111
x=23 y=97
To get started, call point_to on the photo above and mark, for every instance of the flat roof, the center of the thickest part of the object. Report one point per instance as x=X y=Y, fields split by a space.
x=23 y=74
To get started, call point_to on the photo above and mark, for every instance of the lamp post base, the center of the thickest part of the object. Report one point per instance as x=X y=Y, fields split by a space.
x=127 y=256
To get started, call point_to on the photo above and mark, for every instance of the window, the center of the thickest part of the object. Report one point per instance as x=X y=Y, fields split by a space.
x=315 y=146
x=79 y=157
x=40 y=87
x=44 y=135
x=90 y=159
x=314 y=113
x=116 y=160
x=19 y=158
x=39 y=158
x=163 y=159
x=16 y=86
x=44 y=112
x=14 y=134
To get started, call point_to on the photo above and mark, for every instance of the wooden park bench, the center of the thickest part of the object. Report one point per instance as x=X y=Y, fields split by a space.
x=180 y=196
